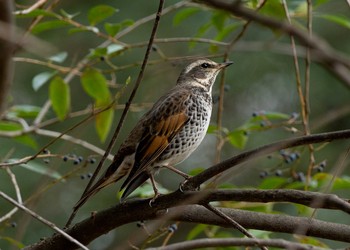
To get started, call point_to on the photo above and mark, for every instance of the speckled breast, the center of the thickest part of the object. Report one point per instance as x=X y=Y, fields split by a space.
x=199 y=107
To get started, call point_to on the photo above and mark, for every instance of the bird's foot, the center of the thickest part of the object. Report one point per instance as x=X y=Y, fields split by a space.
x=153 y=199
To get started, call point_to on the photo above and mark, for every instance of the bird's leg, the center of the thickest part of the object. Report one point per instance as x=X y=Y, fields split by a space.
x=186 y=176
x=155 y=189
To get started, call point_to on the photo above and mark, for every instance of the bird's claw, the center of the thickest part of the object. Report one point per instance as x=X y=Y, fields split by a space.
x=153 y=199
x=181 y=187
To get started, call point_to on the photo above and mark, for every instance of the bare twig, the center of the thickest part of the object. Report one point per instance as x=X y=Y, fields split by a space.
x=126 y=109
x=229 y=242
x=302 y=96
x=231 y=221
x=333 y=61
x=41 y=219
x=197 y=180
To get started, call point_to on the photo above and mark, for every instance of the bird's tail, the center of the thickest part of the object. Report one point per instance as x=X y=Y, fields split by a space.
x=109 y=177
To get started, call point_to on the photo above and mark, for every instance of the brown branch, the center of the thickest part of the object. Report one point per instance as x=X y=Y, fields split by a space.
x=227 y=242
x=333 y=61
x=137 y=210
x=6 y=51
x=199 y=179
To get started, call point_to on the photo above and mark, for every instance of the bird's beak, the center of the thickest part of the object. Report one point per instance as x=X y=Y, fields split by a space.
x=225 y=64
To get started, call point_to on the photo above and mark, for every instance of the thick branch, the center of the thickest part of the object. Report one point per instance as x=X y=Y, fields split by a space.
x=197 y=180
x=137 y=210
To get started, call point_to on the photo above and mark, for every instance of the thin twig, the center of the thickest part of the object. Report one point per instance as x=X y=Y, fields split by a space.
x=231 y=221
x=199 y=179
x=15 y=185
x=230 y=242
x=126 y=109
x=41 y=219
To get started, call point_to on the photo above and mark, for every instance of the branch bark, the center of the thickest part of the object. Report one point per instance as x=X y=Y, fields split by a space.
x=138 y=210
x=335 y=62
x=197 y=180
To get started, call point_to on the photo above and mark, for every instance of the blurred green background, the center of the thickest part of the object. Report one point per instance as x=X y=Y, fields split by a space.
x=260 y=79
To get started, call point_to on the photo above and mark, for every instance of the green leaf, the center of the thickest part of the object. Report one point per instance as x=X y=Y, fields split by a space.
x=10 y=126
x=197 y=230
x=184 y=14
x=272 y=183
x=112 y=28
x=218 y=19
x=59 y=94
x=103 y=120
x=39 y=168
x=38 y=12
x=40 y=79
x=97 y=52
x=95 y=84
x=67 y=15
x=13 y=242
x=273 y=8
x=59 y=58
x=238 y=138
x=341 y=20
x=49 y=25
x=226 y=31
x=24 y=111
x=99 y=13
x=212 y=129
x=200 y=32
x=127 y=22
x=114 y=48
x=26 y=140
x=146 y=191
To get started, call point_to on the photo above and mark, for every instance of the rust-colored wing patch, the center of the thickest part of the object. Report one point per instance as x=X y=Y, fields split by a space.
x=154 y=141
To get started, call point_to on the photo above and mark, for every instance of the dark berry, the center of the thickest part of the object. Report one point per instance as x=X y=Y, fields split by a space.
x=46 y=161
x=263 y=174
x=278 y=172
x=300 y=177
x=82 y=177
x=323 y=164
x=255 y=114
x=319 y=169
x=294 y=115
x=172 y=228
x=46 y=151
x=89 y=175
x=80 y=159
x=65 y=158
x=139 y=224
x=13 y=224
x=76 y=161
x=92 y=160
x=263 y=124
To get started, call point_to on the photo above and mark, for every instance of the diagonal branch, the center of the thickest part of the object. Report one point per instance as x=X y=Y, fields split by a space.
x=199 y=179
x=334 y=61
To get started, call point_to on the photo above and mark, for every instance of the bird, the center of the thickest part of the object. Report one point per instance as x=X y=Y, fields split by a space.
x=165 y=135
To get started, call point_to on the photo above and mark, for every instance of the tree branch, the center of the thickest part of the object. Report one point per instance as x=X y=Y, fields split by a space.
x=199 y=179
x=138 y=210
x=225 y=242
x=335 y=62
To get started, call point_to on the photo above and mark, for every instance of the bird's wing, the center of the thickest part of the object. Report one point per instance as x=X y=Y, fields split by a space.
x=159 y=132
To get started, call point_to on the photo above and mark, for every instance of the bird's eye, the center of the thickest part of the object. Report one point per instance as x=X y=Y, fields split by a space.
x=205 y=65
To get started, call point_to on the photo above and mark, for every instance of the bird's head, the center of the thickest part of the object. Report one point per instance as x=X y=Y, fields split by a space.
x=201 y=73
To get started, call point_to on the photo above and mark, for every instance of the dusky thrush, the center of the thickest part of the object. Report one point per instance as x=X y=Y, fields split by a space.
x=167 y=134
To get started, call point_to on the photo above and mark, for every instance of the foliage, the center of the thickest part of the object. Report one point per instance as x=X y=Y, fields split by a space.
x=96 y=47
